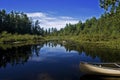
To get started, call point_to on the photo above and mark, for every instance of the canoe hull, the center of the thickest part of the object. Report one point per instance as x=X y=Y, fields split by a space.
x=97 y=70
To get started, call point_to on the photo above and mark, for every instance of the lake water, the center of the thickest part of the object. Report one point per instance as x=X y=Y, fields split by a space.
x=50 y=61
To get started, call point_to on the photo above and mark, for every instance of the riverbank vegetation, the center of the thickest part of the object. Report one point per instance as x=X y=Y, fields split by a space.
x=18 y=38
x=18 y=27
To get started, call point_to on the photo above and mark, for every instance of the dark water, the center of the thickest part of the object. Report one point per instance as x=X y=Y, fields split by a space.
x=51 y=61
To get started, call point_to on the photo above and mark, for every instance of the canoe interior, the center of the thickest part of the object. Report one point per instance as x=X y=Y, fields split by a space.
x=107 y=65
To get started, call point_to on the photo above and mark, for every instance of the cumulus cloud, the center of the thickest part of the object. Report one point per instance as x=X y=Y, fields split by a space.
x=49 y=21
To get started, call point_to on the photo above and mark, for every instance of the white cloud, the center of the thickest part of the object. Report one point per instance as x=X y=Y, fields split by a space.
x=37 y=14
x=49 y=21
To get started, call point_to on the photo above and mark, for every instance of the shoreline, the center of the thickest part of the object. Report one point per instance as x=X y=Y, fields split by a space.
x=113 y=44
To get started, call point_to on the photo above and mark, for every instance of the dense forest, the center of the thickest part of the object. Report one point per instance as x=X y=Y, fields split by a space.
x=17 y=27
x=16 y=22
x=102 y=29
x=108 y=26
x=20 y=23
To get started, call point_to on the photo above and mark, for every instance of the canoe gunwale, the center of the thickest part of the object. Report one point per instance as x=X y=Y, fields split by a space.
x=100 y=65
x=96 y=70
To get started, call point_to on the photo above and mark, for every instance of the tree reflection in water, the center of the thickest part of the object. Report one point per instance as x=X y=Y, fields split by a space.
x=17 y=55
x=14 y=55
x=105 y=54
x=21 y=54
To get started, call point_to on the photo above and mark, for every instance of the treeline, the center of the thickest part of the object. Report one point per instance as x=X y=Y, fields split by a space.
x=20 y=23
x=105 y=28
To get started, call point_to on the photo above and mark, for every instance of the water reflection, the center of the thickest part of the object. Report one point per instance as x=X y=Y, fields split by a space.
x=20 y=54
x=51 y=61
x=93 y=51
x=44 y=76
x=14 y=56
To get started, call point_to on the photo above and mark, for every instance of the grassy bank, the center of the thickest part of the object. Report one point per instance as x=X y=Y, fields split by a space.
x=8 y=38
x=17 y=38
x=107 y=43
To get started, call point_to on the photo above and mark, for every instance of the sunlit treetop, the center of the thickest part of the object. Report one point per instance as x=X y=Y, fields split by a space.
x=111 y=6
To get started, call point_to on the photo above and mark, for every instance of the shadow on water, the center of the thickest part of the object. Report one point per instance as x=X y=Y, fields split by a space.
x=98 y=77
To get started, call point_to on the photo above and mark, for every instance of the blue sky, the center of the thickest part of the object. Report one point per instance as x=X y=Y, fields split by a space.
x=55 y=13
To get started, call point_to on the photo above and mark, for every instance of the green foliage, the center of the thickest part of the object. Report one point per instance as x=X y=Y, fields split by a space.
x=106 y=28
x=18 y=38
x=111 y=6
x=16 y=22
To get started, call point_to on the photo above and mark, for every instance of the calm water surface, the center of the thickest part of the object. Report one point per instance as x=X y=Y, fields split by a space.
x=50 y=61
